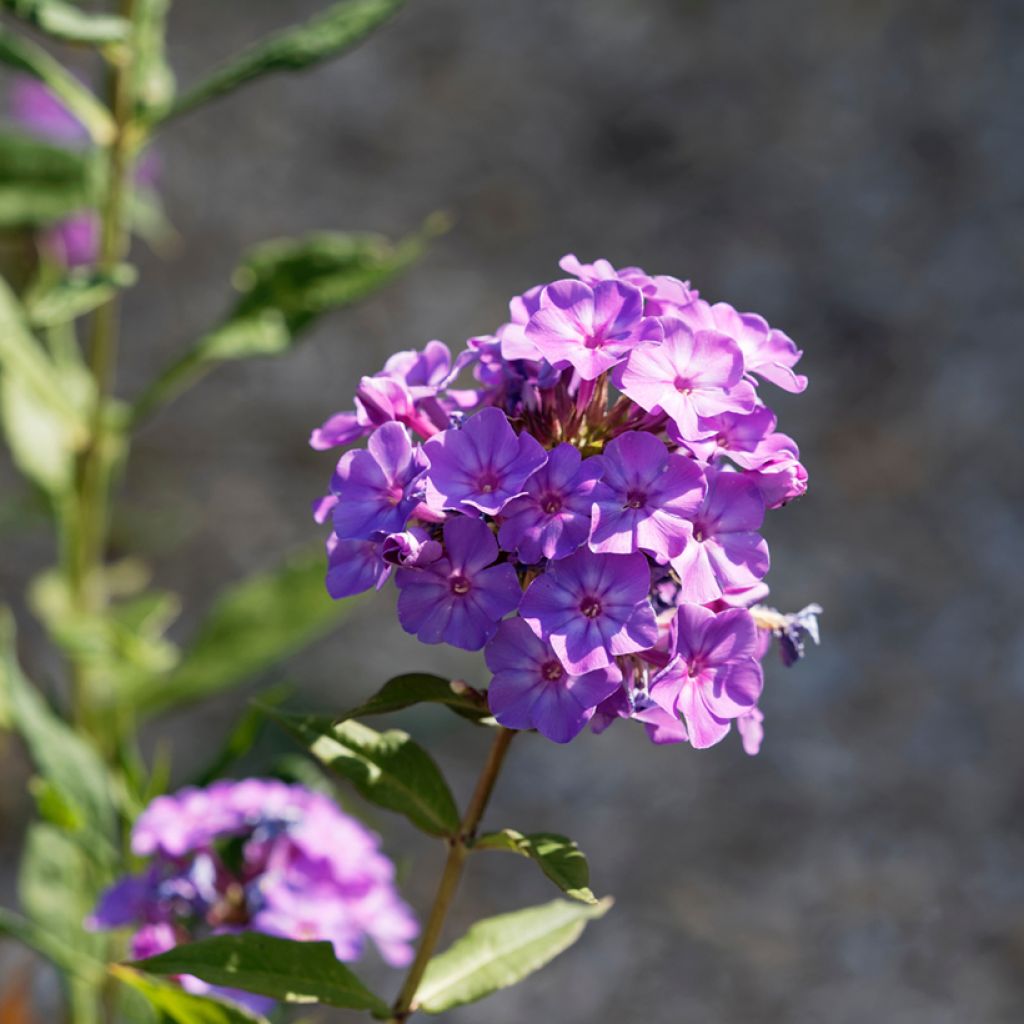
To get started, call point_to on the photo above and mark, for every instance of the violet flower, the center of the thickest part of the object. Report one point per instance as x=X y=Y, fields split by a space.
x=552 y=519
x=460 y=598
x=714 y=677
x=531 y=689
x=482 y=466
x=725 y=551
x=687 y=375
x=646 y=498
x=590 y=329
x=592 y=608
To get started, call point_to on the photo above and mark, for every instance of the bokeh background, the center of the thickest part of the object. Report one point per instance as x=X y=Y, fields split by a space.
x=852 y=171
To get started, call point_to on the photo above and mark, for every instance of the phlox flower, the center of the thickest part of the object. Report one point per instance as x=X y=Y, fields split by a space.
x=531 y=689
x=460 y=598
x=592 y=608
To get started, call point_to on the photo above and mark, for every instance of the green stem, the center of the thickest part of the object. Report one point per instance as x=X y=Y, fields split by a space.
x=457 y=853
x=90 y=519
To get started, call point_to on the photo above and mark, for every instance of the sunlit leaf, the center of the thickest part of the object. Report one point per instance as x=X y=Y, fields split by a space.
x=387 y=768
x=293 y=972
x=500 y=951
x=181 y=1007
x=69 y=23
x=77 y=292
x=420 y=688
x=557 y=856
x=325 y=35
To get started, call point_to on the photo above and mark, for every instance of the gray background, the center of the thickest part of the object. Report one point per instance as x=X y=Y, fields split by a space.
x=852 y=171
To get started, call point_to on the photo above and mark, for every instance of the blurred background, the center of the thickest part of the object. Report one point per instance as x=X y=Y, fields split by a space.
x=850 y=170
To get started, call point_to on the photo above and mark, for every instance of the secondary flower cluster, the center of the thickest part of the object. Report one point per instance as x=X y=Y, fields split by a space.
x=588 y=511
x=257 y=855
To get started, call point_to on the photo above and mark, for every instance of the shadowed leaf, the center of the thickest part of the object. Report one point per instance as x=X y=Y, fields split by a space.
x=557 y=856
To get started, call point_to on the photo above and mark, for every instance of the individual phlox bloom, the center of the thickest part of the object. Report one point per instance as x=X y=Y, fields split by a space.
x=590 y=329
x=742 y=438
x=782 y=476
x=688 y=375
x=513 y=342
x=461 y=598
x=714 y=677
x=482 y=466
x=725 y=551
x=377 y=487
x=592 y=608
x=531 y=688
x=645 y=499
x=751 y=730
x=767 y=352
x=355 y=565
x=662 y=294
x=552 y=519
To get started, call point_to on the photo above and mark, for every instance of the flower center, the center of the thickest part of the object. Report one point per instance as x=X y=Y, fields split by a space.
x=552 y=671
x=459 y=585
x=682 y=385
x=594 y=341
x=487 y=483
x=635 y=499
x=591 y=607
x=395 y=494
x=551 y=503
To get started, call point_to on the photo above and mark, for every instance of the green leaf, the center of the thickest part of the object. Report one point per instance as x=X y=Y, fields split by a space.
x=61 y=756
x=294 y=972
x=68 y=23
x=53 y=947
x=328 y=34
x=53 y=806
x=420 y=688
x=253 y=625
x=154 y=84
x=75 y=293
x=285 y=285
x=499 y=951
x=26 y=56
x=181 y=1007
x=387 y=768
x=42 y=442
x=41 y=182
x=557 y=856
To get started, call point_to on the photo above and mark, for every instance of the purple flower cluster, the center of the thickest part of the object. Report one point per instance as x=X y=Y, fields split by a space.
x=587 y=510
x=257 y=855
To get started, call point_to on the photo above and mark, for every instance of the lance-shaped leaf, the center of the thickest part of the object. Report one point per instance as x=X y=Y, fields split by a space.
x=253 y=625
x=557 y=856
x=420 y=688
x=74 y=293
x=285 y=285
x=294 y=972
x=69 y=23
x=499 y=951
x=26 y=56
x=325 y=35
x=40 y=182
x=179 y=1006
x=54 y=947
x=386 y=767
x=61 y=756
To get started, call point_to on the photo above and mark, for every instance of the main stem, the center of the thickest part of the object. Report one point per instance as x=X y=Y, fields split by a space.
x=86 y=551
x=457 y=853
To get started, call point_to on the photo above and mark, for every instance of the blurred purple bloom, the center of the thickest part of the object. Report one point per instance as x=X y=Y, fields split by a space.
x=751 y=729
x=482 y=466
x=376 y=488
x=725 y=550
x=766 y=352
x=591 y=329
x=552 y=519
x=257 y=855
x=714 y=676
x=687 y=376
x=592 y=608
x=532 y=690
x=645 y=499
x=461 y=598
x=39 y=110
